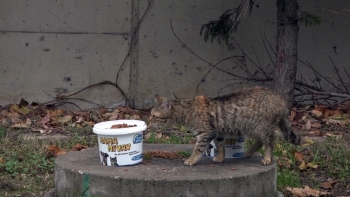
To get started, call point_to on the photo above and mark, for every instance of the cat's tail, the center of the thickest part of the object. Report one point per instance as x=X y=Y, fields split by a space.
x=288 y=134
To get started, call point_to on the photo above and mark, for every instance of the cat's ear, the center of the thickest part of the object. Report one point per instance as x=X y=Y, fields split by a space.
x=165 y=102
x=158 y=98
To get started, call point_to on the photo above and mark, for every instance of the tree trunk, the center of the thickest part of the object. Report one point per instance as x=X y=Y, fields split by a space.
x=287 y=37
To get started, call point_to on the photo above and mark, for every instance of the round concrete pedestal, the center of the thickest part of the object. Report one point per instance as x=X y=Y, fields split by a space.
x=81 y=174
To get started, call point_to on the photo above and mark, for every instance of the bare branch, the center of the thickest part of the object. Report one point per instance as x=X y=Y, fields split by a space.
x=133 y=39
x=337 y=71
x=337 y=13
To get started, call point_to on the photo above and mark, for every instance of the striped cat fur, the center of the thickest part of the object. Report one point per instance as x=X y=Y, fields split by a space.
x=252 y=112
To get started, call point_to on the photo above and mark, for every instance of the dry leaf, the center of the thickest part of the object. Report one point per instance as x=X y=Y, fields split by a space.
x=28 y=122
x=147 y=135
x=45 y=120
x=114 y=117
x=65 y=119
x=316 y=113
x=22 y=110
x=54 y=151
x=292 y=114
x=135 y=117
x=316 y=125
x=311 y=165
x=284 y=162
x=328 y=184
x=308 y=125
x=20 y=125
x=61 y=152
x=335 y=112
x=307 y=142
x=80 y=119
x=299 y=157
x=158 y=135
x=1 y=160
x=315 y=132
x=302 y=166
x=326 y=113
x=79 y=147
x=306 y=191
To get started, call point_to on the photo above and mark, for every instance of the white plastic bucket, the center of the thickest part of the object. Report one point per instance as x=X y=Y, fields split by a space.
x=120 y=146
x=234 y=147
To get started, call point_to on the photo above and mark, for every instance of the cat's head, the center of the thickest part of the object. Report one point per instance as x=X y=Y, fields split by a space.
x=160 y=112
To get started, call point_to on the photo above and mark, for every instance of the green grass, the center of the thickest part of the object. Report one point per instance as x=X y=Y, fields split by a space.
x=332 y=157
x=25 y=167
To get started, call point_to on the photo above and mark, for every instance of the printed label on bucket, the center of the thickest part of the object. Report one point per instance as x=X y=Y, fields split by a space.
x=234 y=147
x=120 y=150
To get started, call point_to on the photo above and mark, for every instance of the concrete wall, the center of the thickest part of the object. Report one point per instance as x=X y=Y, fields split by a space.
x=49 y=47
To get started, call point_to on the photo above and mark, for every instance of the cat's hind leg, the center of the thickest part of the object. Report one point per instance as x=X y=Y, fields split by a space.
x=268 y=140
x=203 y=141
x=255 y=147
x=220 y=146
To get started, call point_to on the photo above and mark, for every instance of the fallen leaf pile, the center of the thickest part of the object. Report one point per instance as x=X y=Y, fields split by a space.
x=43 y=119
x=313 y=118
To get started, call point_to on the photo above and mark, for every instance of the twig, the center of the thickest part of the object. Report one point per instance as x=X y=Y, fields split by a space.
x=329 y=93
x=97 y=84
x=336 y=70
x=65 y=97
x=184 y=45
x=213 y=66
x=268 y=53
x=238 y=16
x=133 y=39
x=66 y=102
x=325 y=78
x=336 y=13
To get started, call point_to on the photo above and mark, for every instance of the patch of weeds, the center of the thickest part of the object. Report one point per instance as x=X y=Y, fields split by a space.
x=83 y=136
x=147 y=156
x=330 y=159
x=287 y=177
x=333 y=156
x=152 y=139
x=3 y=133
x=184 y=154
x=25 y=167
x=287 y=173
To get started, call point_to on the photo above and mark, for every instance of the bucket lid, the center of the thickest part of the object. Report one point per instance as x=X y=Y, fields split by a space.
x=104 y=128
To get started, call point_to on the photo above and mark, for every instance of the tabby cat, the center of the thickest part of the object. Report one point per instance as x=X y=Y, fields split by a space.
x=252 y=112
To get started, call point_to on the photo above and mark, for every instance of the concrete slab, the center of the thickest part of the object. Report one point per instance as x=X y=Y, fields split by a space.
x=81 y=174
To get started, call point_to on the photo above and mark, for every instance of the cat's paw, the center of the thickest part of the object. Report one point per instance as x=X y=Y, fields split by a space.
x=189 y=162
x=218 y=158
x=265 y=162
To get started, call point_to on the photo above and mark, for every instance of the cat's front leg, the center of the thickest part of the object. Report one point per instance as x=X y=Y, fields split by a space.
x=220 y=146
x=203 y=140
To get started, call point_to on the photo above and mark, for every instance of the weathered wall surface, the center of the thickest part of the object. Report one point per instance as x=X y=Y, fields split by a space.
x=59 y=47
x=50 y=47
